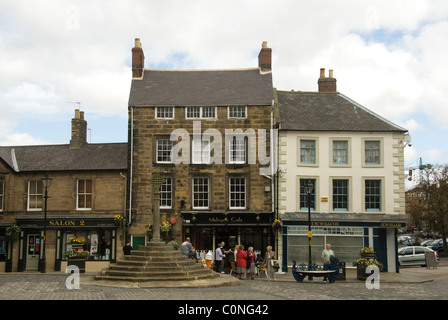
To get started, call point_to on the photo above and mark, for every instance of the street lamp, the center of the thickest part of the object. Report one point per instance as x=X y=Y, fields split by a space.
x=308 y=188
x=46 y=182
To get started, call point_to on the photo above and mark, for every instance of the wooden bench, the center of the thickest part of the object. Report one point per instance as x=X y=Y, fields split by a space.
x=299 y=273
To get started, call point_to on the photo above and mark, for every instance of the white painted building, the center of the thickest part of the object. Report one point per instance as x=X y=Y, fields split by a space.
x=355 y=163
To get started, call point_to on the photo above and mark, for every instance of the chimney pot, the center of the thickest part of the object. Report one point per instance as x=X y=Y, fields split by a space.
x=330 y=73
x=322 y=72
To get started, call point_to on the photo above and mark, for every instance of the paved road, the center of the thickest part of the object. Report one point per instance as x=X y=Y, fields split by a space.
x=412 y=283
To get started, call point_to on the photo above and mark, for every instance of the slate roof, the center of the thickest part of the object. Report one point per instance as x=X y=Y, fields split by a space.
x=316 y=111
x=107 y=156
x=202 y=88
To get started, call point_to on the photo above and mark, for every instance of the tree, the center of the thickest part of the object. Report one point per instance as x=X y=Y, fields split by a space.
x=427 y=203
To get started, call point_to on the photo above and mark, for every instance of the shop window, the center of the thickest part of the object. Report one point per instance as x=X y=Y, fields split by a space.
x=237 y=193
x=35 y=195
x=97 y=242
x=84 y=194
x=2 y=245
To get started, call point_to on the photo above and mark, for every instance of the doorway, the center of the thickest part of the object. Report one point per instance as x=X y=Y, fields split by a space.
x=32 y=252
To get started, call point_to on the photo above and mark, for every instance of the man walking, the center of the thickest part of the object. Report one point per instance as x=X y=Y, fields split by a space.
x=218 y=258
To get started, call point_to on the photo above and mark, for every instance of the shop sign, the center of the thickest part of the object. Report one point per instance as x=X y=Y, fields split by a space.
x=66 y=223
x=325 y=223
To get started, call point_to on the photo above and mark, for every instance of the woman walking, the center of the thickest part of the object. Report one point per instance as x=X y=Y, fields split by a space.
x=269 y=256
x=250 y=263
x=241 y=262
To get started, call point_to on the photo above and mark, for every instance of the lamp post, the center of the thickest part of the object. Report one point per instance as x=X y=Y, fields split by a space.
x=46 y=182
x=308 y=188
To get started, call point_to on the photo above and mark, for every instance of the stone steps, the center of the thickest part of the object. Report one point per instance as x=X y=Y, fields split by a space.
x=156 y=262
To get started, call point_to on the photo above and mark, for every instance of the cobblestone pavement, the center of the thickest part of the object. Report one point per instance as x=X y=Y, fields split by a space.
x=25 y=286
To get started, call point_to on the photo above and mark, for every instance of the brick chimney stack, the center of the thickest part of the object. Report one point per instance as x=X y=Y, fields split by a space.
x=138 y=59
x=326 y=84
x=264 y=58
x=79 y=130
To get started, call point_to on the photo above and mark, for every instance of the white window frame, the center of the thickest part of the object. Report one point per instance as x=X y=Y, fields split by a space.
x=233 y=183
x=161 y=148
x=237 y=150
x=199 y=182
x=36 y=195
x=164 y=113
x=238 y=110
x=201 y=151
x=85 y=194
x=200 y=112
x=166 y=194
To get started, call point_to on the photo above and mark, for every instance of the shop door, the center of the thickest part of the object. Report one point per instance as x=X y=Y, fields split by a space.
x=32 y=252
x=138 y=241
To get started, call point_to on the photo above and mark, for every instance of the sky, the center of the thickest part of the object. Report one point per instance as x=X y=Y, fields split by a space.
x=56 y=56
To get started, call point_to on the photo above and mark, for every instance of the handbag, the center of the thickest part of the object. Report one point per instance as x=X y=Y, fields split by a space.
x=274 y=264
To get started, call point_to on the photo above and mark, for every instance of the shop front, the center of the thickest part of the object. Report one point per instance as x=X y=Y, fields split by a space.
x=207 y=229
x=98 y=234
x=347 y=234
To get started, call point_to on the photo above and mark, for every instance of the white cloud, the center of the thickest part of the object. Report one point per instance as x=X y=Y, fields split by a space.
x=388 y=56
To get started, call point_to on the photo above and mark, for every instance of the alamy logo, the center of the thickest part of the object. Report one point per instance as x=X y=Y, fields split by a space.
x=73 y=280
x=206 y=147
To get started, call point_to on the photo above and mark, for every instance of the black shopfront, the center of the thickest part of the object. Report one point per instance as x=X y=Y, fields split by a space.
x=207 y=229
x=99 y=232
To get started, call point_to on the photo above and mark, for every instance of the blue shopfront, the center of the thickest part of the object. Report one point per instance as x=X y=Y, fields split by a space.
x=347 y=234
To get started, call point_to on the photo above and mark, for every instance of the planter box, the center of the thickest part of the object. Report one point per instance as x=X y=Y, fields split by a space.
x=80 y=263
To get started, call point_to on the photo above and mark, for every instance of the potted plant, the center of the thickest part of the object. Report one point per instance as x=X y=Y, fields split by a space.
x=77 y=258
x=368 y=258
x=121 y=222
x=77 y=242
x=276 y=225
x=166 y=229
x=12 y=233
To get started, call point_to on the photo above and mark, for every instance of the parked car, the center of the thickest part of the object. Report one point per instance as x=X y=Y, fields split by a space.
x=409 y=256
x=437 y=245
x=427 y=243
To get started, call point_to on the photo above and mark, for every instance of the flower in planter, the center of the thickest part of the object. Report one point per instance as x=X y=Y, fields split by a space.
x=166 y=227
x=366 y=250
x=277 y=224
x=363 y=262
x=121 y=222
x=77 y=255
x=13 y=232
x=76 y=240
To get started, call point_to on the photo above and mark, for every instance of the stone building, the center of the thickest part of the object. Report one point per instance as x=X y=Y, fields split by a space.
x=354 y=160
x=87 y=190
x=217 y=186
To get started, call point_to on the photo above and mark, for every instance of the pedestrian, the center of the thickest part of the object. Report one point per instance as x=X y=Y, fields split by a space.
x=250 y=263
x=327 y=253
x=241 y=262
x=127 y=248
x=219 y=255
x=173 y=243
x=186 y=247
x=268 y=259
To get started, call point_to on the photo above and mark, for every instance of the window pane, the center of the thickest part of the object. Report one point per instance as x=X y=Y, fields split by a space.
x=308 y=151
x=237 y=150
x=373 y=195
x=237 y=187
x=340 y=195
x=200 y=193
x=372 y=152
x=304 y=195
x=237 y=112
x=166 y=193
x=193 y=112
x=340 y=152
x=164 y=147
x=208 y=112
x=164 y=112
